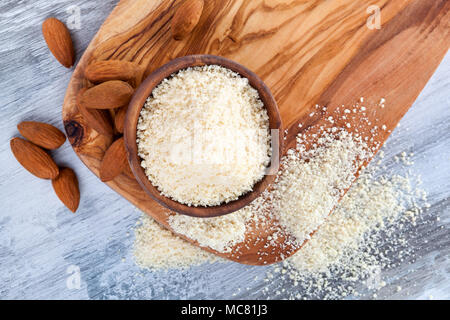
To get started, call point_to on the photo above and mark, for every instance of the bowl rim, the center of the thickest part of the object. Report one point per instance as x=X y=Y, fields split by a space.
x=137 y=103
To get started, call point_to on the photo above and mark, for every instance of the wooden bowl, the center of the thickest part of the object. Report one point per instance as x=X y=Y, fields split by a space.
x=134 y=110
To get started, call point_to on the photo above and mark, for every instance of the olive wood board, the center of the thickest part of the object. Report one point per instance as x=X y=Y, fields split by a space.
x=308 y=52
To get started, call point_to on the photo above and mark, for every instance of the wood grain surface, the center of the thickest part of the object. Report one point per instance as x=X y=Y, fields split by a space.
x=331 y=60
x=42 y=243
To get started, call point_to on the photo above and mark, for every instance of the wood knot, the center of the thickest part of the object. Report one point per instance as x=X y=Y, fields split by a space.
x=75 y=132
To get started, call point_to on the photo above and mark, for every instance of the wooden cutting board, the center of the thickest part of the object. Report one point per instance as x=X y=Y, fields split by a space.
x=307 y=51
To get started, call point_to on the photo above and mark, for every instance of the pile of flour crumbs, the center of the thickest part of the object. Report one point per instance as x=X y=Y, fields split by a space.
x=203 y=136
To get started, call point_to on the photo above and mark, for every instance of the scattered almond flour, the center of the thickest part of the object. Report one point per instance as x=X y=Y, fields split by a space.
x=361 y=238
x=357 y=241
x=220 y=233
x=347 y=253
x=369 y=206
x=157 y=248
x=204 y=136
x=312 y=182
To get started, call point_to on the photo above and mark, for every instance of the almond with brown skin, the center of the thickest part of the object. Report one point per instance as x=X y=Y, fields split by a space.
x=66 y=188
x=127 y=171
x=59 y=41
x=101 y=71
x=186 y=18
x=137 y=80
x=34 y=159
x=114 y=161
x=107 y=95
x=42 y=134
x=99 y=120
x=119 y=119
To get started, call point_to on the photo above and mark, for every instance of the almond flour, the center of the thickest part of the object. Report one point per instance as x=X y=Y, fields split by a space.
x=204 y=136
x=312 y=182
x=219 y=233
x=157 y=248
x=353 y=244
x=307 y=188
x=348 y=253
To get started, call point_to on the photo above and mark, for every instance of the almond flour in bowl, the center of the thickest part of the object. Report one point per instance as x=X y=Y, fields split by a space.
x=204 y=136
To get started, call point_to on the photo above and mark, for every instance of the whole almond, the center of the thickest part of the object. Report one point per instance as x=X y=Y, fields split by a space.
x=42 y=134
x=127 y=171
x=34 y=159
x=99 y=120
x=186 y=18
x=59 y=41
x=66 y=188
x=114 y=161
x=107 y=95
x=101 y=71
x=119 y=119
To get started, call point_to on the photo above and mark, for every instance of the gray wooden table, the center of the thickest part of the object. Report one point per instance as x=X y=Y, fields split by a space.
x=42 y=243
